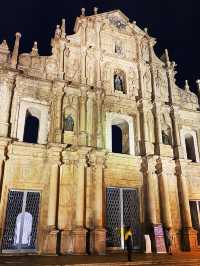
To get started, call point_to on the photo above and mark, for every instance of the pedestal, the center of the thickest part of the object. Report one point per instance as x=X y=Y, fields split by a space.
x=176 y=242
x=189 y=236
x=149 y=147
x=79 y=241
x=66 y=242
x=166 y=150
x=83 y=139
x=51 y=242
x=99 y=241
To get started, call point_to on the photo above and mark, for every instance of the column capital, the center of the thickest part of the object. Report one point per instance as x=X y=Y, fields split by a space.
x=97 y=158
x=91 y=95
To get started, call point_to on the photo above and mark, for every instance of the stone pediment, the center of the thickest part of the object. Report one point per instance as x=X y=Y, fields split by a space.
x=113 y=20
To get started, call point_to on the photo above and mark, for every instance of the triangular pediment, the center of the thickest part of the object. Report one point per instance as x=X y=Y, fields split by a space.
x=115 y=19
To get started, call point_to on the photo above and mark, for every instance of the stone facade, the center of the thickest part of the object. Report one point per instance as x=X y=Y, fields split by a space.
x=105 y=75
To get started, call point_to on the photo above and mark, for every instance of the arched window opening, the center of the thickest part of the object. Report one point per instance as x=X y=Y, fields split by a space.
x=31 y=128
x=116 y=139
x=119 y=81
x=190 y=148
x=68 y=123
x=120 y=137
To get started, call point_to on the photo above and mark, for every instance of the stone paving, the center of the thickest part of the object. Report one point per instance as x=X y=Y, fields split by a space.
x=186 y=259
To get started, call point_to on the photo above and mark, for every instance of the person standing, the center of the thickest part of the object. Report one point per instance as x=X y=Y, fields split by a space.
x=169 y=240
x=129 y=241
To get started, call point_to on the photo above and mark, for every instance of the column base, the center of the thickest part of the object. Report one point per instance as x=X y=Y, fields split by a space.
x=79 y=241
x=99 y=241
x=66 y=242
x=189 y=237
x=176 y=242
x=51 y=242
x=83 y=138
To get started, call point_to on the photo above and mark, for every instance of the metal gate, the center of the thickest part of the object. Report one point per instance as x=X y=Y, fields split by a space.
x=122 y=210
x=21 y=221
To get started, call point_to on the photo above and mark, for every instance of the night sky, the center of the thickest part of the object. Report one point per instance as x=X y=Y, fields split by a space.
x=174 y=23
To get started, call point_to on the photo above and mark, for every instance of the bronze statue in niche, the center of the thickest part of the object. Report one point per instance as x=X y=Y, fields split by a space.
x=119 y=81
x=166 y=136
x=68 y=123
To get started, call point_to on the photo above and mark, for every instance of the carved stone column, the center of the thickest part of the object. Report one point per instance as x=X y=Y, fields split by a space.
x=90 y=118
x=6 y=97
x=147 y=146
x=99 y=232
x=83 y=134
x=61 y=59
x=51 y=240
x=164 y=194
x=188 y=233
x=58 y=94
x=150 y=197
x=79 y=232
x=99 y=97
x=178 y=151
x=65 y=202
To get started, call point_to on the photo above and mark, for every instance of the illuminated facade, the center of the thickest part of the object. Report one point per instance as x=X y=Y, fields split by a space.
x=94 y=138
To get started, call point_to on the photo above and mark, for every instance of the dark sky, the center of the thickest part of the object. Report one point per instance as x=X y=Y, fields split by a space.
x=174 y=23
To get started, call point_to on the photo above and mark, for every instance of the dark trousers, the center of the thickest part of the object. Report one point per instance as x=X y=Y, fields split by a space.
x=129 y=254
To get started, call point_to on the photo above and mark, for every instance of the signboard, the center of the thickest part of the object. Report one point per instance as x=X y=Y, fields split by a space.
x=159 y=238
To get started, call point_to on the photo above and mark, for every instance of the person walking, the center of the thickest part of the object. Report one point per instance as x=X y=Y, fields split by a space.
x=129 y=241
x=169 y=240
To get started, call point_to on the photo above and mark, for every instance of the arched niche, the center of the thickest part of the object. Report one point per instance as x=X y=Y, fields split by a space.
x=68 y=123
x=190 y=145
x=31 y=127
x=122 y=126
x=166 y=135
x=119 y=81
x=38 y=114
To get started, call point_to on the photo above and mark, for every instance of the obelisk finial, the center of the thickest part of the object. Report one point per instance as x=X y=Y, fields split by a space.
x=15 y=50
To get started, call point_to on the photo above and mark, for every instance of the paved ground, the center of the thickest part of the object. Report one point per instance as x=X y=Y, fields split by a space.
x=186 y=259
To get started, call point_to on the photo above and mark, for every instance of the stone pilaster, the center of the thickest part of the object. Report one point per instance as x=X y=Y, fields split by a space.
x=188 y=234
x=79 y=231
x=178 y=151
x=6 y=98
x=52 y=231
x=147 y=127
x=99 y=98
x=99 y=232
x=58 y=94
x=90 y=118
x=83 y=134
x=148 y=173
x=164 y=195
x=65 y=202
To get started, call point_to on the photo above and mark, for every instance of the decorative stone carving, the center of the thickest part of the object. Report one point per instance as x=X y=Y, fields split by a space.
x=166 y=130
x=119 y=81
x=119 y=23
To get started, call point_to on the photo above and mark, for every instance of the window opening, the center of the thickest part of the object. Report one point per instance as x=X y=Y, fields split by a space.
x=31 y=128
x=190 y=148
